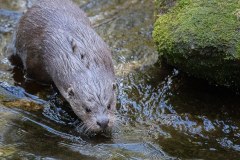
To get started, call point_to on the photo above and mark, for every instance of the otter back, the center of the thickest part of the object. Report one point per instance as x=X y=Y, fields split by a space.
x=45 y=32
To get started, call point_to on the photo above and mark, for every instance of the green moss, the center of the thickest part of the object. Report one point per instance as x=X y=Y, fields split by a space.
x=201 y=37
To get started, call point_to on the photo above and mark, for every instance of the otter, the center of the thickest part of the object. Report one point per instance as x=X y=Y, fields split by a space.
x=56 y=44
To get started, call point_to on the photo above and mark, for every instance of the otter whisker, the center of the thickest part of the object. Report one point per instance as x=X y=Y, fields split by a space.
x=87 y=129
x=116 y=129
x=79 y=125
x=84 y=128
x=119 y=122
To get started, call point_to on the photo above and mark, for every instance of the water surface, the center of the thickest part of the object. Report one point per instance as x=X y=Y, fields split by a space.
x=166 y=114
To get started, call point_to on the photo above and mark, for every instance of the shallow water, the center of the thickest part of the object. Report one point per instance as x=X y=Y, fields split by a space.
x=167 y=115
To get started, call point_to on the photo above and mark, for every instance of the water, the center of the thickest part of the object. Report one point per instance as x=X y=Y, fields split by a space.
x=167 y=115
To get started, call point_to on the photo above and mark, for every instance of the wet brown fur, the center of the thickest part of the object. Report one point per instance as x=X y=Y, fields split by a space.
x=56 y=43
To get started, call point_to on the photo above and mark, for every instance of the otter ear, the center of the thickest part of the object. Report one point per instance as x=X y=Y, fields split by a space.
x=75 y=48
x=74 y=45
x=114 y=86
x=70 y=92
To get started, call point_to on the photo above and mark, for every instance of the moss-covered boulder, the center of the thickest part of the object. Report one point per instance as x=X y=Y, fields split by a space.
x=202 y=38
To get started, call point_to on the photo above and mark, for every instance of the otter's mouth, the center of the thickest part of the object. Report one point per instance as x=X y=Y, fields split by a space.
x=92 y=130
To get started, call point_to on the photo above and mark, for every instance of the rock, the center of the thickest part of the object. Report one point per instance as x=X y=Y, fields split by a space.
x=23 y=104
x=16 y=97
x=7 y=152
x=202 y=38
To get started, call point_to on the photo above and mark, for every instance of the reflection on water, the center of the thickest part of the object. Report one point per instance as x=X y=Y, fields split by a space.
x=165 y=114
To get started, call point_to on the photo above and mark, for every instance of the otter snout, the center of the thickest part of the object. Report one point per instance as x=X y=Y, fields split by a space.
x=103 y=122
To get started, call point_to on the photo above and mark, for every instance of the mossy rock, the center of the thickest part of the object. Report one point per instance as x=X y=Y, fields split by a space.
x=202 y=38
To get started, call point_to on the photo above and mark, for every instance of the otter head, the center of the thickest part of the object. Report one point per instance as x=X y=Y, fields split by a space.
x=93 y=100
x=87 y=82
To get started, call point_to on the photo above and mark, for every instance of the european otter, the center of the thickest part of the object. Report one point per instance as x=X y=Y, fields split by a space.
x=56 y=43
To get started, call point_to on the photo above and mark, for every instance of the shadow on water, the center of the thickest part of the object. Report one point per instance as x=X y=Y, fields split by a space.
x=165 y=114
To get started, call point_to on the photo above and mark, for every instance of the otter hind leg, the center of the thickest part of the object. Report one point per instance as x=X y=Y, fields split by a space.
x=35 y=69
x=15 y=60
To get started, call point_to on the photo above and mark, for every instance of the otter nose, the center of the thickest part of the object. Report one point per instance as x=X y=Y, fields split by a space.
x=103 y=123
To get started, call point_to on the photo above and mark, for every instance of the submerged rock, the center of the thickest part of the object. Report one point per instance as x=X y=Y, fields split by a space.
x=7 y=152
x=202 y=38
x=16 y=97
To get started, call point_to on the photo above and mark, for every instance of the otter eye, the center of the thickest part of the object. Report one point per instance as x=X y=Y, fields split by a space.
x=114 y=86
x=88 y=110
x=109 y=107
x=74 y=46
x=70 y=92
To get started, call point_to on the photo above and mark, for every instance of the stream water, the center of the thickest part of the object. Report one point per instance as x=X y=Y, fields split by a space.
x=166 y=114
